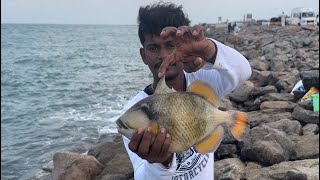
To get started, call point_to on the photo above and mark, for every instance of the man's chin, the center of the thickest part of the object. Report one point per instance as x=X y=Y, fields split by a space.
x=170 y=75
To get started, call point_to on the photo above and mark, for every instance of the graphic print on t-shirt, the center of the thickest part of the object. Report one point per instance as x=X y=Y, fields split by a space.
x=189 y=164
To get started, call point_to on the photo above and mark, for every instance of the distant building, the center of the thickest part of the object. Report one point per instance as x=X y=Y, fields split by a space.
x=249 y=17
x=219 y=20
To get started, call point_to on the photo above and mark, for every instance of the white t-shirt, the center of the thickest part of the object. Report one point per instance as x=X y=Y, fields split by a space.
x=229 y=71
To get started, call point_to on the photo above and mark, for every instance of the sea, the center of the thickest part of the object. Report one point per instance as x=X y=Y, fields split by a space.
x=62 y=88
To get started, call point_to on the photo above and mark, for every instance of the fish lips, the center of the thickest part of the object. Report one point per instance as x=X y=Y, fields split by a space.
x=121 y=124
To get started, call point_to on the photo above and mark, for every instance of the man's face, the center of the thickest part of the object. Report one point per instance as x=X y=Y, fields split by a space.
x=155 y=52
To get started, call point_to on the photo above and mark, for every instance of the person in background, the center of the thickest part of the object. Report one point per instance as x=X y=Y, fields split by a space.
x=171 y=47
x=235 y=29
x=283 y=19
x=229 y=28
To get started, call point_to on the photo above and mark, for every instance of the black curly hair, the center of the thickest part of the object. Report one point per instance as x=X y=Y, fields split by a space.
x=153 y=18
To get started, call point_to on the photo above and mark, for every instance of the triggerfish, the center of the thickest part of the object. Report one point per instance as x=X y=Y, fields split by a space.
x=192 y=118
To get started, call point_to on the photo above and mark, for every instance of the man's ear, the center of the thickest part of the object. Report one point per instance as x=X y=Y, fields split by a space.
x=143 y=55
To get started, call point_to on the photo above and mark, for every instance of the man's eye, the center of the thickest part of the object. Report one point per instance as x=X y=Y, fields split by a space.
x=153 y=49
x=171 y=46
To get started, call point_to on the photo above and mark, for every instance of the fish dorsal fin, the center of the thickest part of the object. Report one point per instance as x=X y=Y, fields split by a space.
x=205 y=91
x=211 y=142
x=162 y=87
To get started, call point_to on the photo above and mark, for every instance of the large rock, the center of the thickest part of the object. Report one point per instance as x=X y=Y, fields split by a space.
x=287 y=106
x=269 y=115
x=111 y=152
x=307 y=147
x=295 y=170
x=232 y=169
x=72 y=166
x=242 y=93
x=305 y=116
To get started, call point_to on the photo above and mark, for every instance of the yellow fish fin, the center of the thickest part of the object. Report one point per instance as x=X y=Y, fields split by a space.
x=205 y=91
x=154 y=128
x=238 y=126
x=162 y=87
x=211 y=142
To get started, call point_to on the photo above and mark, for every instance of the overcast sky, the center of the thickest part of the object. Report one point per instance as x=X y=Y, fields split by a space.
x=125 y=11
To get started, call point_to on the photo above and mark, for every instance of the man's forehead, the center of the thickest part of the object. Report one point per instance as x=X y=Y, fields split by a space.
x=152 y=38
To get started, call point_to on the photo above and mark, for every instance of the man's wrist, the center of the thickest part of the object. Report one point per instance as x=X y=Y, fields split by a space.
x=167 y=163
x=212 y=52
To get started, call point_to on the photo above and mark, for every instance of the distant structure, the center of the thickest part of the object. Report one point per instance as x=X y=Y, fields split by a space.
x=303 y=16
x=249 y=17
x=219 y=20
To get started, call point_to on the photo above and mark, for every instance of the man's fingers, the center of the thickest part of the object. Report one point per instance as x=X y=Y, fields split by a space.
x=145 y=143
x=168 y=31
x=192 y=64
x=196 y=30
x=183 y=30
x=157 y=146
x=165 y=64
x=135 y=140
x=165 y=146
x=198 y=61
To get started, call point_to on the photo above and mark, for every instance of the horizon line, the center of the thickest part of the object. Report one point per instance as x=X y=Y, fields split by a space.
x=38 y=23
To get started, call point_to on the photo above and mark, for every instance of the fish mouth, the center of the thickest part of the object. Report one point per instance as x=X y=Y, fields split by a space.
x=121 y=124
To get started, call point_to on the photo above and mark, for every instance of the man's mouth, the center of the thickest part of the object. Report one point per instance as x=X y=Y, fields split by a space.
x=157 y=66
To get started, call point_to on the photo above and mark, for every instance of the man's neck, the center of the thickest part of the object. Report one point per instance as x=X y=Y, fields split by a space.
x=178 y=83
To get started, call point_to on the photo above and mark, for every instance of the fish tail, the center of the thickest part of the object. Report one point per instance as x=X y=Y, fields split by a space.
x=238 y=124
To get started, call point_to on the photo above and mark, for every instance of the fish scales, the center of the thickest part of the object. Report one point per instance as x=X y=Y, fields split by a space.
x=186 y=113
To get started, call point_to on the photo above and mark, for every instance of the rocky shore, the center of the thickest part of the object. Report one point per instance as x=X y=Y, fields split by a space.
x=282 y=137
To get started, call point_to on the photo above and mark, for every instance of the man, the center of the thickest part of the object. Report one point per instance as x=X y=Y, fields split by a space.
x=182 y=54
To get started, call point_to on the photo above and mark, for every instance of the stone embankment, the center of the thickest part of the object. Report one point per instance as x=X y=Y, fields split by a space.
x=282 y=137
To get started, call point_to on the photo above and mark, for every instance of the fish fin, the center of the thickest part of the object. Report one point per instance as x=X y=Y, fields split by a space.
x=204 y=90
x=211 y=142
x=238 y=125
x=154 y=128
x=162 y=87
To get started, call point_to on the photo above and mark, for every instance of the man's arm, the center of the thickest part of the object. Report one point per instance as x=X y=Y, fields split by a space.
x=229 y=70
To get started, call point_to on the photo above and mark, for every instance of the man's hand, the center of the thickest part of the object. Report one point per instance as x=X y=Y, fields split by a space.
x=153 y=151
x=192 y=48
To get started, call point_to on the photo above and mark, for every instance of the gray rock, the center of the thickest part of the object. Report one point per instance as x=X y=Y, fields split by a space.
x=226 y=149
x=269 y=115
x=242 y=93
x=261 y=91
x=232 y=169
x=286 y=125
x=287 y=106
x=75 y=166
x=307 y=147
x=287 y=170
x=305 y=116
x=278 y=97
x=310 y=129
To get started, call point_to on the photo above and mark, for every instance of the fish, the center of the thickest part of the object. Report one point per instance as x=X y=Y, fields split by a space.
x=191 y=117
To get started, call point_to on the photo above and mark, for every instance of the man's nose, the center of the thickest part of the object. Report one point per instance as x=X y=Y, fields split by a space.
x=164 y=53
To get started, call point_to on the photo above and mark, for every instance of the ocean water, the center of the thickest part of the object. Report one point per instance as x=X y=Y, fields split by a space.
x=62 y=88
